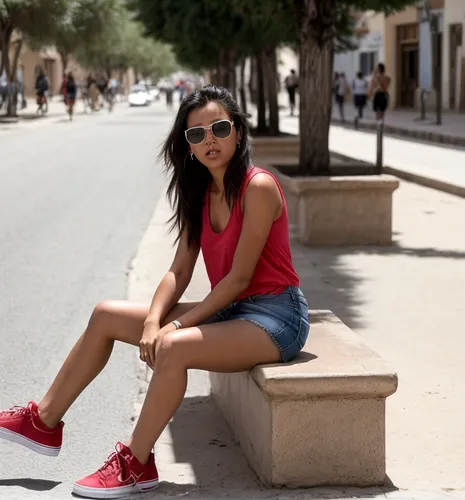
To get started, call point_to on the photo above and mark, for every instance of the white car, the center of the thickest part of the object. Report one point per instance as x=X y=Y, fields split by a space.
x=154 y=93
x=138 y=96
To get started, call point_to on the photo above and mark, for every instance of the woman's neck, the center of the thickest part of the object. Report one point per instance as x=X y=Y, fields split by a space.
x=218 y=179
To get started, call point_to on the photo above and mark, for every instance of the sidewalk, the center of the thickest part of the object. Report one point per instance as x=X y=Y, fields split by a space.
x=56 y=112
x=401 y=300
x=401 y=122
x=439 y=167
x=406 y=123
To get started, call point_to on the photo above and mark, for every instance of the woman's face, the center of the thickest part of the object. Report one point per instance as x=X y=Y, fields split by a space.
x=212 y=151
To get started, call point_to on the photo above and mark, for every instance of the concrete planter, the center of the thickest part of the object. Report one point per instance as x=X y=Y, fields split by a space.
x=342 y=210
x=273 y=147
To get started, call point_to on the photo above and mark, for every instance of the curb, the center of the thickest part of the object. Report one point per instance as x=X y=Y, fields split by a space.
x=422 y=135
x=443 y=186
x=421 y=180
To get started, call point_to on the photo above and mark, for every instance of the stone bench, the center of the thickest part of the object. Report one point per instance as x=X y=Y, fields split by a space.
x=318 y=420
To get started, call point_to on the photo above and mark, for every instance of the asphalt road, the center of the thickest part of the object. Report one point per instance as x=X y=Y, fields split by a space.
x=75 y=201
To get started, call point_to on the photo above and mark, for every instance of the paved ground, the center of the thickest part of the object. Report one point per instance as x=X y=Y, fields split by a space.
x=452 y=124
x=405 y=122
x=75 y=201
x=440 y=163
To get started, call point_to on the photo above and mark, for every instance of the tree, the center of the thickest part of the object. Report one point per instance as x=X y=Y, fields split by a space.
x=81 y=25
x=322 y=27
x=192 y=26
x=317 y=22
x=107 y=52
x=121 y=44
x=25 y=19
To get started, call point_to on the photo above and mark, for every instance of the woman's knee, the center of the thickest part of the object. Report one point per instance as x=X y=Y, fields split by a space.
x=169 y=354
x=101 y=315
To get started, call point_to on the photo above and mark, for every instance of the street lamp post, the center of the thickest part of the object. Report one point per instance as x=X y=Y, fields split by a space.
x=435 y=40
x=433 y=19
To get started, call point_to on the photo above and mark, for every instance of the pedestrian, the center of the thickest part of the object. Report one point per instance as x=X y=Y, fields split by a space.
x=93 y=92
x=292 y=83
x=255 y=313
x=64 y=81
x=360 y=92
x=342 y=91
x=379 y=90
x=169 y=90
x=71 y=92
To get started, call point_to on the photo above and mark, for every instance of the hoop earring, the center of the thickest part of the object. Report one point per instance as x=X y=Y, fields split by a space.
x=192 y=155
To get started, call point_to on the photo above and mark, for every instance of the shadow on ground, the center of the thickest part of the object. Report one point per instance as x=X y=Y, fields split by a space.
x=30 y=484
x=328 y=282
x=203 y=441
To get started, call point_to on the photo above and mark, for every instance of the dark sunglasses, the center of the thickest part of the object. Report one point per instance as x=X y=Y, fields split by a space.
x=221 y=130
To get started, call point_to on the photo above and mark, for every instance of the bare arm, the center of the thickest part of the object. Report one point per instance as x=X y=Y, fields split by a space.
x=175 y=281
x=262 y=205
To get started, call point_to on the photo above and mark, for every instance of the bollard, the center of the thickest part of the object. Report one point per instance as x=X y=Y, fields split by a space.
x=379 y=147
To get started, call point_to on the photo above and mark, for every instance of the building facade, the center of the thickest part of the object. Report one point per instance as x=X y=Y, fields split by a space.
x=453 y=75
x=404 y=43
x=369 y=41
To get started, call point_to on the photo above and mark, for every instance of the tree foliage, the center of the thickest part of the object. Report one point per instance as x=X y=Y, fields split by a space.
x=211 y=34
x=81 y=25
x=121 y=44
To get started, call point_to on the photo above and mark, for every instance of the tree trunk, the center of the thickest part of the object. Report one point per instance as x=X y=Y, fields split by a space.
x=261 y=98
x=64 y=60
x=234 y=81
x=315 y=87
x=5 y=44
x=12 y=78
x=223 y=69
x=242 y=92
x=253 y=80
x=231 y=69
x=271 y=78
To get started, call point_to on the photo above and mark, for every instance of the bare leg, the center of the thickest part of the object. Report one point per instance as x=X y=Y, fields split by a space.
x=228 y=347
x=110 y=321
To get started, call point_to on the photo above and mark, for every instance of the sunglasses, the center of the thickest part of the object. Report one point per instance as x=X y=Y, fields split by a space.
x=221 y=130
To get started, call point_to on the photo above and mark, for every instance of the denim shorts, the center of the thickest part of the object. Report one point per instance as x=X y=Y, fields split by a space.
x=284 y=317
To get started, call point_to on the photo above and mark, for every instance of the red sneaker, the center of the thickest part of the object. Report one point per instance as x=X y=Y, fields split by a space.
x=22 y=425
x=121 y=475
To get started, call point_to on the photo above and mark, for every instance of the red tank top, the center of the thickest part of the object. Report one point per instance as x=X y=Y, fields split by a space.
x=274 y=271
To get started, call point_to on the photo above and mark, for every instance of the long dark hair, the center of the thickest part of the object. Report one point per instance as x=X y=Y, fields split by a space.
x=190 y=178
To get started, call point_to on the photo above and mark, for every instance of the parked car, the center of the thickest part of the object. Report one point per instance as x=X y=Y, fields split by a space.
x=139 y=96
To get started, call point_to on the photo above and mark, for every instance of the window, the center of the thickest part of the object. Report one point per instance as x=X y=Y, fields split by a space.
x=367 y=62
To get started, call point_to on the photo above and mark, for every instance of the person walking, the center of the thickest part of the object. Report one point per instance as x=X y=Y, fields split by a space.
x=292 y=83
x=379 y=90
x=255 y=313
x=360 y=93
x=342 y=90
x=71 y=92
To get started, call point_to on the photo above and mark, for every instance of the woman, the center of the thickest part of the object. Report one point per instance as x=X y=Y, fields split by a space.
x=359 y=91
x=379 y=87
x=255 y=313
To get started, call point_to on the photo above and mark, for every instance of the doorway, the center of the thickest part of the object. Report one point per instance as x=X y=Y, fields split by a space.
x=408 y=74
x=407 y=64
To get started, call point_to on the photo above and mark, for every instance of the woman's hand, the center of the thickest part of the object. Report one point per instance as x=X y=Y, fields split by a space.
x=148 y=343
x=151 y=341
